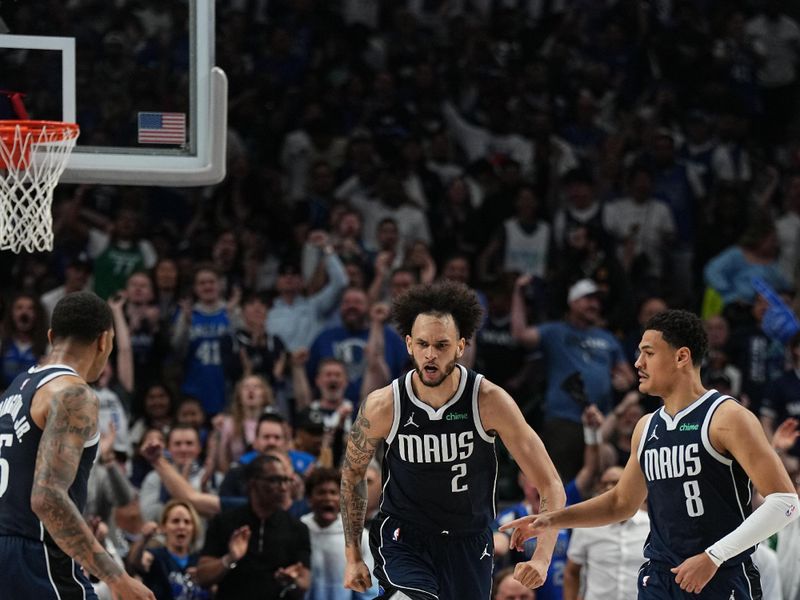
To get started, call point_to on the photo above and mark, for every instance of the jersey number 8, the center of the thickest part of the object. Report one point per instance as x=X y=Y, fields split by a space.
x=694 y=504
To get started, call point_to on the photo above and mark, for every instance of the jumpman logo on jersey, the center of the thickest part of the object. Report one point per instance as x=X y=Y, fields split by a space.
x=485 y=552
x=733 y=597
x=411 y=421
x=653 y=435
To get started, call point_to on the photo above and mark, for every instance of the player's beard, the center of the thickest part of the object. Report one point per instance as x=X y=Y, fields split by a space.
x=445 y=373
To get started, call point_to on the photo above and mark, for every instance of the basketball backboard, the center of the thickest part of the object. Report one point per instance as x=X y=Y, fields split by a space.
x=137 y=76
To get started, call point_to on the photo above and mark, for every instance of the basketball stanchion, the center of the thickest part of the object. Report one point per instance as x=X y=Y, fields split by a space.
x=33 y=155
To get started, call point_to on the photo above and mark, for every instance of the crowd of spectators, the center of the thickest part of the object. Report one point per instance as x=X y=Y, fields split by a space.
x=582 y=165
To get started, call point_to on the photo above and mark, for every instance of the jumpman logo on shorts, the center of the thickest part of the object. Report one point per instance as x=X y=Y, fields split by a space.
x=485 y=552
x=653 y=436
x=411 y=421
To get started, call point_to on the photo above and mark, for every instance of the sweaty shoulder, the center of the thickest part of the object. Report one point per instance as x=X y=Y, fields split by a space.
x=66 y=388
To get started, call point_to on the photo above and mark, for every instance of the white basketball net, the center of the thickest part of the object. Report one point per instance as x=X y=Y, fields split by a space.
x=34 y=158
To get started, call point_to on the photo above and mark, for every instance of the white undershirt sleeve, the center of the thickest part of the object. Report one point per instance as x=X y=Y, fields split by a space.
x=777 y=512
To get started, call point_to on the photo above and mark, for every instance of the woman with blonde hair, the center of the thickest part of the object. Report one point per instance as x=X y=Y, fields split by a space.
x=237 y=430
x=169 y=569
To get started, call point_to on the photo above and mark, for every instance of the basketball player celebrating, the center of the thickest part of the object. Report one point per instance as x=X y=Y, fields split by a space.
x=432 y=537
x=694 y=460
x=48 y=443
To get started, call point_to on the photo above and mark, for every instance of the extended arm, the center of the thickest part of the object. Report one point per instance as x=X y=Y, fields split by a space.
x=499 y=412
x=615 y=505
x=71 y=422
x=372 y=425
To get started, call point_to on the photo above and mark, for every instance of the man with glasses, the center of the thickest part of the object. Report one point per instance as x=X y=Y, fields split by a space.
x=258 y=550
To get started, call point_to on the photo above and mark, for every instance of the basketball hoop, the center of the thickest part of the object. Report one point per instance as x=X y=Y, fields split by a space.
x=33 y=155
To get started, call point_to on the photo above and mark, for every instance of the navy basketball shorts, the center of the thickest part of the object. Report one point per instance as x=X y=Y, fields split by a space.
x=424 y=565
x=740 y=582
x=34 y=571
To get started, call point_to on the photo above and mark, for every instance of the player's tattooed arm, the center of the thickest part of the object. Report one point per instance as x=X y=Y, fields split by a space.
x=361 y=448
x=71 y=421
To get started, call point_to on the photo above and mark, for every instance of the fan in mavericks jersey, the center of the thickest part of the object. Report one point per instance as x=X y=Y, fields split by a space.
x=432 y=536
x=694 y=461
x=48 y=443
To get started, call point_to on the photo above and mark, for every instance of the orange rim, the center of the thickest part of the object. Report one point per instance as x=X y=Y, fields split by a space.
x=64 y=131
x=18 y=155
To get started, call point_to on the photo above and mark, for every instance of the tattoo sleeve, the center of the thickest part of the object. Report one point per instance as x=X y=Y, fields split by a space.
x=360 y=450
x=72 y=420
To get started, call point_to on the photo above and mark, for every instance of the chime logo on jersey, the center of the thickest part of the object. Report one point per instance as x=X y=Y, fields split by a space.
x=457 y=417
x=430 y=448
x=670 y=462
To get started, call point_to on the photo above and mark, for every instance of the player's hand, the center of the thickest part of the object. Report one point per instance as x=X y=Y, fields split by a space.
x=694 y=573
x=526 y=528
x=356 y=576
x=531 y=573
x=128 y=588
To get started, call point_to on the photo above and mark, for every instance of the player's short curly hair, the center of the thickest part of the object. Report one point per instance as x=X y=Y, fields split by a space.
x=441 y=298
x=681 y=328
x=81 y=316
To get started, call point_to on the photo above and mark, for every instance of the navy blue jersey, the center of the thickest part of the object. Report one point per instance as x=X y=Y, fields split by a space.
x=19 y=443
x=440 y=468
x=695 y=495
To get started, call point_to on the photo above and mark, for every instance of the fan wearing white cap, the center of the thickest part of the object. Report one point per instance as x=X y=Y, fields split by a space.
x=584 y=364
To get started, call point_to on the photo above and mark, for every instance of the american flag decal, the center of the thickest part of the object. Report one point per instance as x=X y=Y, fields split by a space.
x=162 y=128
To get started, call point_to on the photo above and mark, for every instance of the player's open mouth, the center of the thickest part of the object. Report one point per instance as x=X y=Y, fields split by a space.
x=431 y=369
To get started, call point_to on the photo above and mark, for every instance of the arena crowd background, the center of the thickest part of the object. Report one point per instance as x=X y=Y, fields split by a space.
x=519 y=147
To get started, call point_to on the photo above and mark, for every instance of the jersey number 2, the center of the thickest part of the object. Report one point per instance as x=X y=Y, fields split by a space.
x=5 y=440
x=460 y=471
x=694 y=504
